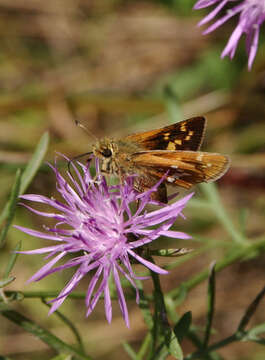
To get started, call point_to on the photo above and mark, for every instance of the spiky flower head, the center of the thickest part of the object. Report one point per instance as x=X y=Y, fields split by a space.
x=251 y=16
x=95 y=225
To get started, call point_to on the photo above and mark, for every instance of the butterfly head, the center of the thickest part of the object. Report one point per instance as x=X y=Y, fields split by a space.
x=105 y=150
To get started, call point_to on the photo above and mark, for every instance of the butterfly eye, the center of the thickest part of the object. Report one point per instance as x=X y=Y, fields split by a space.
x=106 y=153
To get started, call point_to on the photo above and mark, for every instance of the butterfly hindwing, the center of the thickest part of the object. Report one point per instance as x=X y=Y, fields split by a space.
x=183 y=168
x=144 y=183
x=184 y=135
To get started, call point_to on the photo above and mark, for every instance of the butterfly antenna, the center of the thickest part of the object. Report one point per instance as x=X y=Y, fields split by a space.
x=89 y=133
x=70 y=162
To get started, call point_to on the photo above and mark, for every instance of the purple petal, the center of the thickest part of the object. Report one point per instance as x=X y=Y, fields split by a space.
x=121 y=298
x=223 y=19
x=92 y=284
x=66 y=291
x=42 y=272
x=168 y=233
x=37 y=233
x=130 y=279
x=70 y=263
x=107 y=301
x=44 y=250
x=204 y=3
x=232 y=43
x=42 y=213
x=178 y=204
x=126 y=262
x=253 y=48
x=99 y=291
x=44 y=200
x=148 y=264
x=78 y=175
x=213 y=13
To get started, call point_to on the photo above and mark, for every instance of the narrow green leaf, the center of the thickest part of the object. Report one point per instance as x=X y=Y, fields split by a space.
x=11 y=207
x=174 y=347
x=211 y=302
x=243 y=215
x=34 y=163
x=69 y=324
x=182 y=326
x=30 y=170
x=12 y=259
x=132 y=354
x=199 y=204
x=44 y=335
x=257 y=330
x=251 y=310
x=181 y=294
x=212 y=194
x=160 y=354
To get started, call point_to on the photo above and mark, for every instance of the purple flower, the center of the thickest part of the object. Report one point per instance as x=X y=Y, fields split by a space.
x=252 y=15
x=94 y=223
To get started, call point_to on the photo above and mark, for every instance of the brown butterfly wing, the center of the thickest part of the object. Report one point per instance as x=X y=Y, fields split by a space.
x=144 y=183
x=184 y=135
x=183 y=168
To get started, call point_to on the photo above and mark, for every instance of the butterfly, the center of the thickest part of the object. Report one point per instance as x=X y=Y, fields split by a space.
x=171 y=152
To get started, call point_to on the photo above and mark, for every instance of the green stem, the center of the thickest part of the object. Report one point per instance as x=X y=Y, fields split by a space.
x=53 y=294
x=127 y=347
x=144 y=346
x=211 y=304
x=228 y=260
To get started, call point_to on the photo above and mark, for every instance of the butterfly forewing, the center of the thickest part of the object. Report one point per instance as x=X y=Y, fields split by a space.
x=184 y=135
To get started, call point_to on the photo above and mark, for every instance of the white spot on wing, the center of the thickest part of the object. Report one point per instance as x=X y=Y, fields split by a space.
x=174 y=166
x=170 y=179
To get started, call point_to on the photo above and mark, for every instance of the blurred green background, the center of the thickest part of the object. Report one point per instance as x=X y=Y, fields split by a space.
x=121 y=67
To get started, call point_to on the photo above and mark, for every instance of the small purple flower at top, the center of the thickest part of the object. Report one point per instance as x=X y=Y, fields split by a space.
x=95 y=225
x=251 y=16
